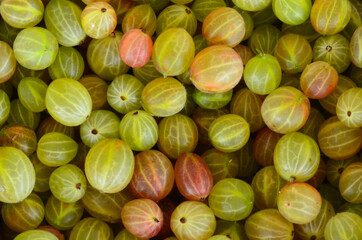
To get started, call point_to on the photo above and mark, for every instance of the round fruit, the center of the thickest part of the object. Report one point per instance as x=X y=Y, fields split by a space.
x=21 y=72
x=252 y=5
x=268 y=224
x=68 y=183
x=350 y=183
x=91 y=229
x=173 y=52
x=318 y=80
x=153 y=176
x=146 y=73
x=97 y=89
x=202 y=8
x=62 y=18
x=262 y=74
x=124 y=93
x=98 y=20
x=337 y=141
x=25 y=215
x=264 y=145
x=329 y=103
x=266 y=185
x=244 y=52
x=177 y=134
x=52 y=230
x=135 y=48
x=315 y=228
x=293 y=53
x=247 y=104
x=285 y=110
x=4 y=107
x=114 y=174
x=105 y=206
x=263 y=39
x=216 y=69
x=163 y=97
x=355 y=48
x=222 y=165
x=61 y=215
x=18 y=175
x=193 y=177
x=69 y=63
x=141 y=16
x=68 y=102
x=142 y=217
x=100 y=125
x=7 y=62
x=212 y=100
x=21 y=115
x=232 y=137
x=36 y=235
x=299 y=203
x=232 y=31
x=231 y=199
x=264 y=16
x=330 y=16
x=311 y=127
x=56 y=149
x=296 y=157
x=20 y=137
x=125 y=235
x=176 y=16
x=35 y=48
x=50 y=125
x=335 y=168
x=344 y=225
x=349 y=108
x=334 y=50
x=291 y=11
x=22 y=14
x=193 y=220
x=139 y=129
x=203 y=119
x=31 y=92
x=103 y=57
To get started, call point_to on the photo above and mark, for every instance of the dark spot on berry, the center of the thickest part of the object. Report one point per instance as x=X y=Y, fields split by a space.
x=292 y=179
x=156 y=220
x=349 y=113
x=183 y=220
x=94 y=131
x=202 y=199
x=340 y=171
x=328 y=48
x=103 y=10
x=187 y=11
x=123 y=98
x=135 y=113
x=313 y=237
x=78 y=185
x=228 y=236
